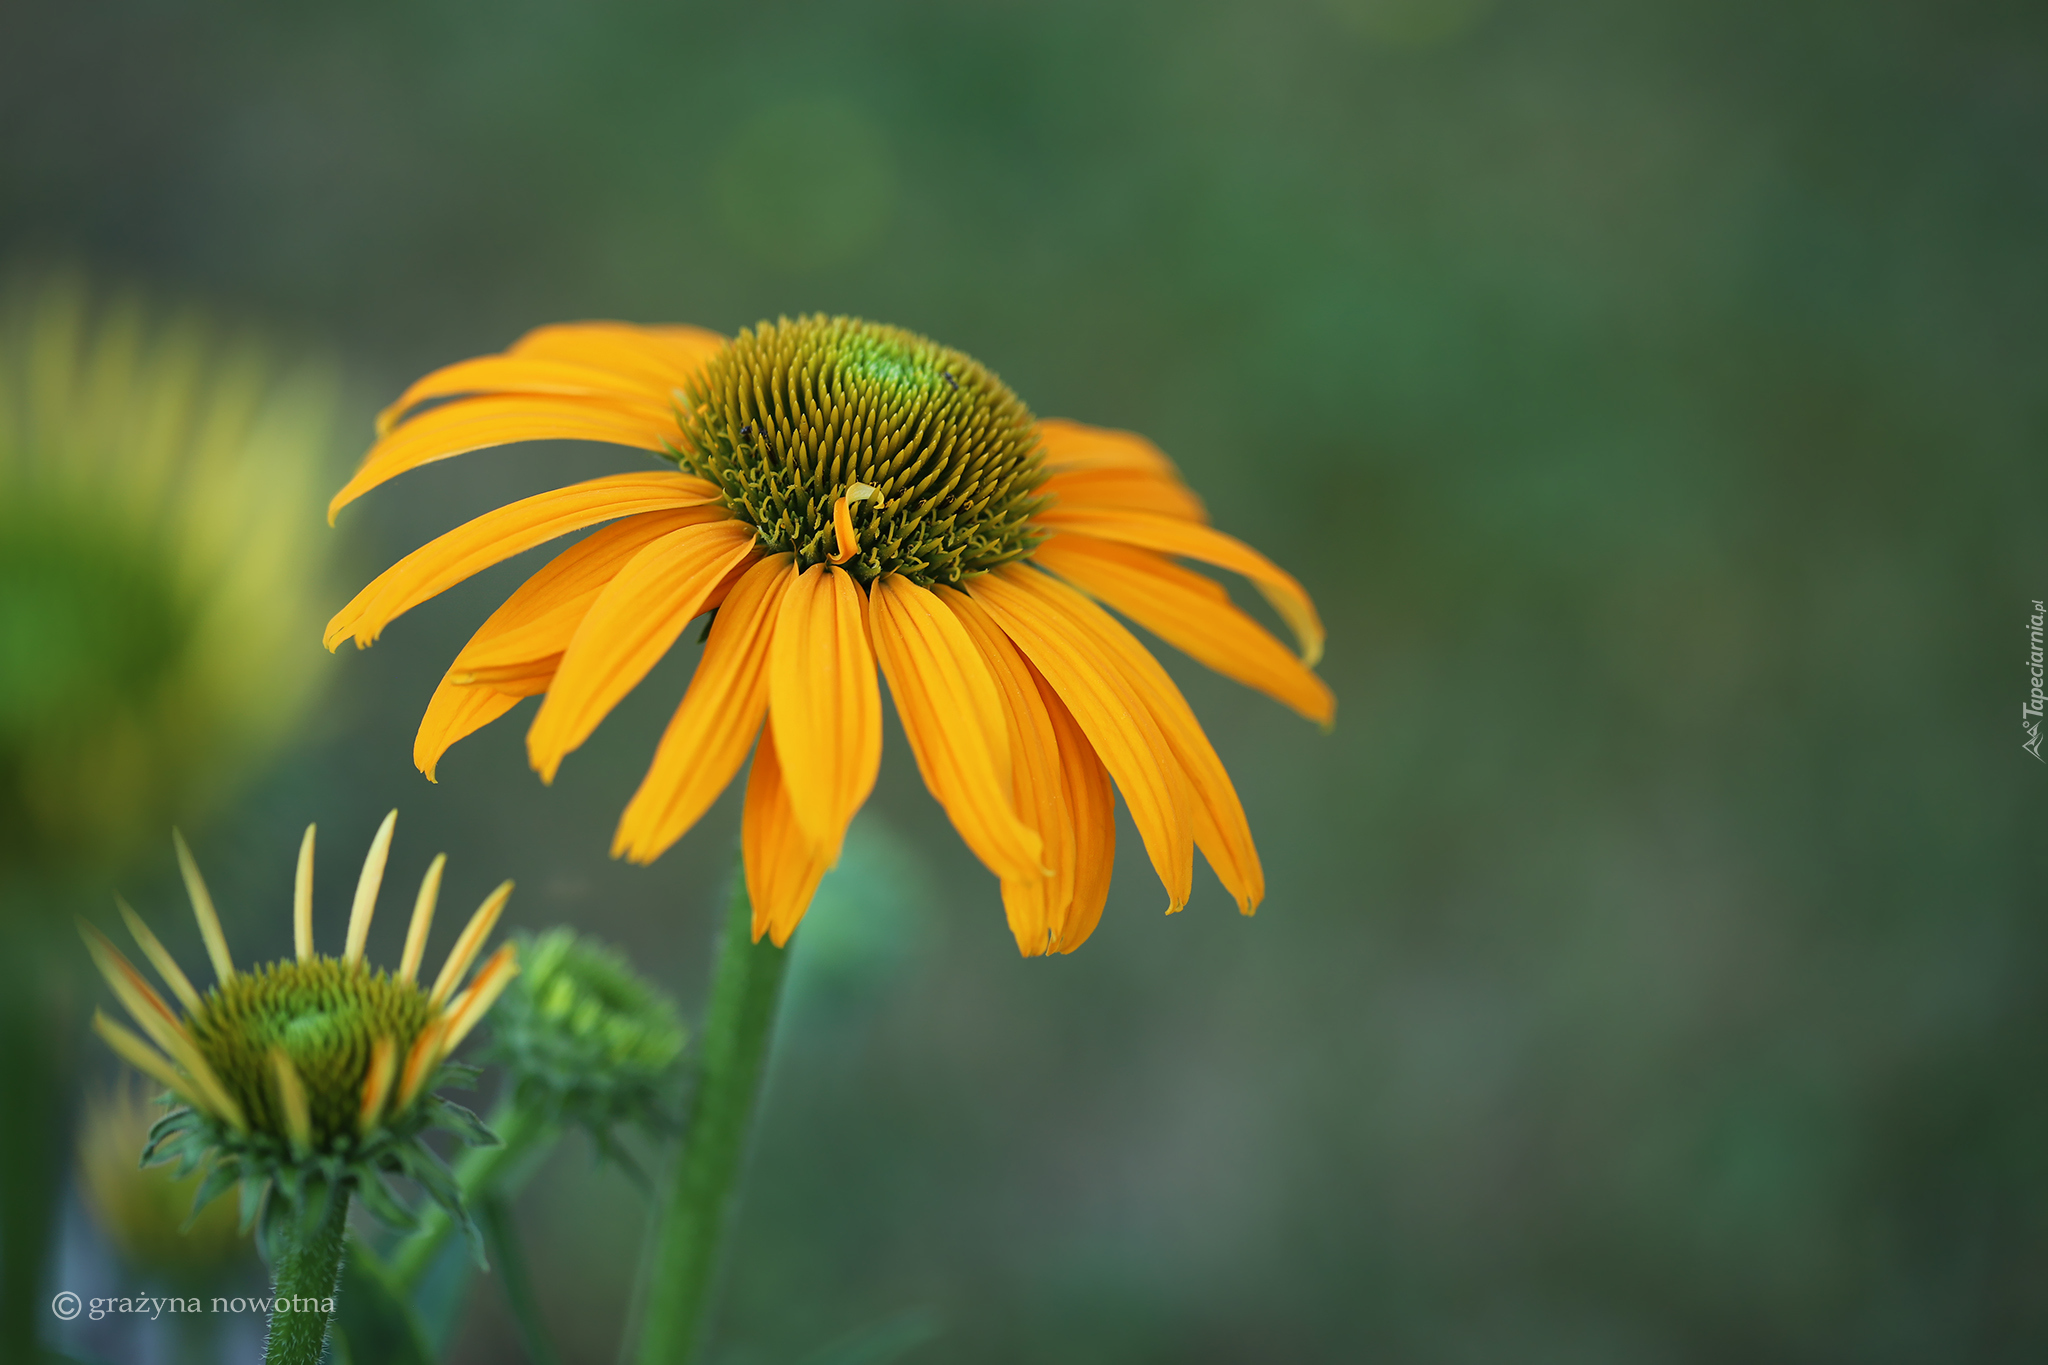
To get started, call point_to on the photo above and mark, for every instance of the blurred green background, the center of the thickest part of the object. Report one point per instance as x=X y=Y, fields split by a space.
x=1651 y=397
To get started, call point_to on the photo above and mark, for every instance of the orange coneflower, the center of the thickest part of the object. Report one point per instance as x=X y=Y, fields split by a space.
x=846 y=494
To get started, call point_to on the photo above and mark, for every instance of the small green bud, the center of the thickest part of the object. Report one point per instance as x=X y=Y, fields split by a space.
x=587 y=1040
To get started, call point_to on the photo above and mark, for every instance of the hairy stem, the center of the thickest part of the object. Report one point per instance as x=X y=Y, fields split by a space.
x=684 y=1256
x=308 y=1279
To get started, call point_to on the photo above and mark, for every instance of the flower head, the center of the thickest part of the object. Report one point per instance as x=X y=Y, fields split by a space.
x=845 y=495
x=585 y=1039
x=153 y=584
x=314 y=1077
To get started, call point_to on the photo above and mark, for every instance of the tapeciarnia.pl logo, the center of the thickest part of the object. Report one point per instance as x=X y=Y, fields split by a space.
x=2030 y=714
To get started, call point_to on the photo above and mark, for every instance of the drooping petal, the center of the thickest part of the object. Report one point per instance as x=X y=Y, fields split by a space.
x=953 y=717
x=1175 y=537
x=826 y=703
x=1115 y=718
x=708 y=737
x=515 y=652
x=1035 y=906
x=525 y=374
x=1077 y=445
x=1221 y=831
x=666 y=356
x=1190 y=612
x=509 y=530
x=540 y=619
x=1132 y=490
x=456 y=712
x=783 y=866
x=629 y=627
x=479 y=423
x=1085 y=787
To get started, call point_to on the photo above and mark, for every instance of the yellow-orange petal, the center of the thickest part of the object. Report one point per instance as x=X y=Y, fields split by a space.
x=479 y=423
x=783 y=866
x=527 y=374
x=1077 y=445
x=515 y=652
x=377 y=1083
x=160 y=958
x=1221 y=831
x=1035 y=906
x=1115 y=718
x=540 y=619
x=469 y=943
x=847 y=539
x=708 y=737
x=1190 y=612
x=952 y=715
x=1134 y=490
x=663 y=357
x=467 y=1010
x=1172 y=536
x=826 y=703
x=147 y=1060
x=1091 y=811
x=455 y=712
x=509 y=530
x=628 y=628
x=422 y=919
x=164 y=1028
x=420 y=1060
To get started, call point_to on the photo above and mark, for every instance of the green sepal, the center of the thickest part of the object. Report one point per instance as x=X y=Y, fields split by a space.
x=252 y=1201
x=454 y=1118
x=216 y=1184
x=165 y=1128
x=384 y=1205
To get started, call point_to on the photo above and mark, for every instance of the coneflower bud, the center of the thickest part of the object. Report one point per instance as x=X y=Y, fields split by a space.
x=587 y=1040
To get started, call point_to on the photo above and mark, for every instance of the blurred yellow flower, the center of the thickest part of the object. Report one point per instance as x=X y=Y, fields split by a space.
x=155 y=578
x=142 y=1210
x=849 y=496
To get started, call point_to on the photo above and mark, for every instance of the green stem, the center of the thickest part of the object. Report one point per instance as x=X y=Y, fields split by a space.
x=521 y=1133
x=308 y=1280
x=738 y=1026
x=495 y=1217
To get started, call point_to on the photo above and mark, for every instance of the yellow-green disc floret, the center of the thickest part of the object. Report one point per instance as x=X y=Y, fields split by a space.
x=327 y=1016
x=790 y=416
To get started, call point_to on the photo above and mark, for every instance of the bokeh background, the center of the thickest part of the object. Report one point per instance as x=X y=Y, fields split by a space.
x=1652 y=398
